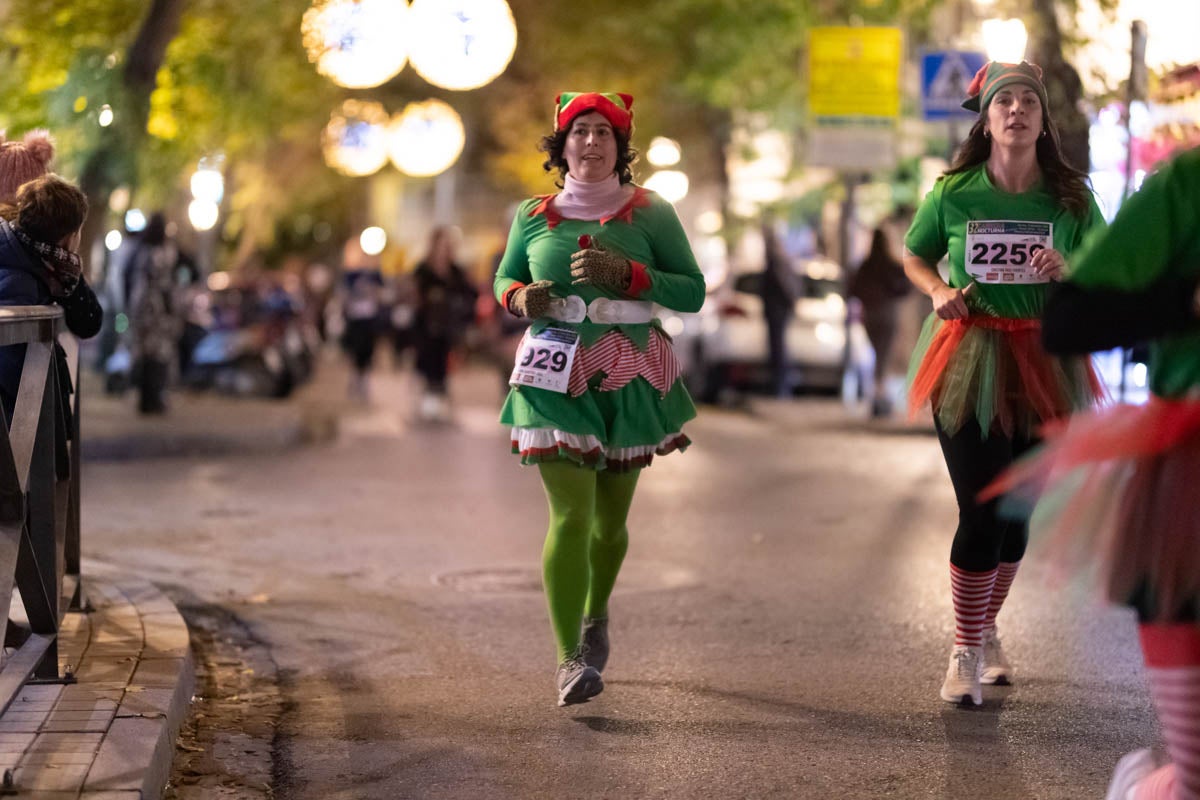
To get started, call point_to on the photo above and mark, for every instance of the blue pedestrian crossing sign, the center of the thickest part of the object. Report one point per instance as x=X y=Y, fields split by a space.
x=945 y=77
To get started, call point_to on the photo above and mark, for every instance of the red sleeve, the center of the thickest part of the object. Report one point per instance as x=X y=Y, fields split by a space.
x=639 y=279
x=504 y=298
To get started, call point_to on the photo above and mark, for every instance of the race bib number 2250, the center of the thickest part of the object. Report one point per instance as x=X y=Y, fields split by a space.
x=1001 y=251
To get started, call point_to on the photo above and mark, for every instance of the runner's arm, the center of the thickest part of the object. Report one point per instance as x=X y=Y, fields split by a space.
x=1083 y=320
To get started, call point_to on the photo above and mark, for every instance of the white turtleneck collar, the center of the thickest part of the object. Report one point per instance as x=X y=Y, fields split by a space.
x=592 y=201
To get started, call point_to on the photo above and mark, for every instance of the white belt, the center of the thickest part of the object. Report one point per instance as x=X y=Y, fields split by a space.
x=572 y=309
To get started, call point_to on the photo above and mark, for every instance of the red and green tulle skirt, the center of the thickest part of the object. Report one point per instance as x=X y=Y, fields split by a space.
x=1115 y=494
x=995 y=370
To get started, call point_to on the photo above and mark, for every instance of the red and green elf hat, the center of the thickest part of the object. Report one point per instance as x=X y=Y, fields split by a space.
x=616 y=108
x=994 y=76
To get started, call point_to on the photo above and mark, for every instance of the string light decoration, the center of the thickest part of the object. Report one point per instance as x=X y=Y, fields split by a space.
x=356 y=43
x=425 y=138
x=461 y=44
x=355 y=142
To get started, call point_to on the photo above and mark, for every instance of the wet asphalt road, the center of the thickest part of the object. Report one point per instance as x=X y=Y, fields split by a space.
x=780 y=629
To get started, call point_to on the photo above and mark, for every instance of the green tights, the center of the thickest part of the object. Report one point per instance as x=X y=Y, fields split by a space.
x=585 y=545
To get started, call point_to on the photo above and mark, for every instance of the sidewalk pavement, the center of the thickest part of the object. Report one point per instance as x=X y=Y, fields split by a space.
x=111 y=734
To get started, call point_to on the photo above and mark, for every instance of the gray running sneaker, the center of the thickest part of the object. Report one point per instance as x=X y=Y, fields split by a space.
x=996 y=669
x=595 y=642
x=577 y=682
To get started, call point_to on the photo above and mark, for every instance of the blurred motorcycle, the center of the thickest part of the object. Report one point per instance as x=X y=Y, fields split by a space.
x=257 y=346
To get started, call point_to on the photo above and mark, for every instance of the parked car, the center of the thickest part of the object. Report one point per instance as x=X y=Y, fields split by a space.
x=725 y=345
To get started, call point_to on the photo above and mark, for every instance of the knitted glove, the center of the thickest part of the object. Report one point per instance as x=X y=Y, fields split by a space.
x=601 y=268
x=531 y=301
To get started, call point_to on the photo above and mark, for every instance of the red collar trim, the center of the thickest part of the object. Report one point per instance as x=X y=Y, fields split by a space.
x=640 y=199
x=544 y=207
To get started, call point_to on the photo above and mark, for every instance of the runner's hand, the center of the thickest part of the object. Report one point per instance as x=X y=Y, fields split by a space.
x=531 y=301
x=601 y=268
x=1049 y=263
x=950 y=303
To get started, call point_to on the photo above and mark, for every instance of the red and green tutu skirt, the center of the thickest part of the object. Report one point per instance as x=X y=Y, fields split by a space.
x=995 y=370
x=1115 y=494
x=625 y=404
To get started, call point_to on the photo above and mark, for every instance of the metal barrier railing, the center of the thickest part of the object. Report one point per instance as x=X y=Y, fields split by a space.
x=39 y=499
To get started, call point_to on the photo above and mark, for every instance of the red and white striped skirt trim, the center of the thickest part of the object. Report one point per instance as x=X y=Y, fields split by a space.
x=536 y=445
x=621 y=361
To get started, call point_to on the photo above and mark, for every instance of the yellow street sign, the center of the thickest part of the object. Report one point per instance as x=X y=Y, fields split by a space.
x=854 y=72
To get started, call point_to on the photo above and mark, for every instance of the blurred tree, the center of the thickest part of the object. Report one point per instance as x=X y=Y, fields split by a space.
x=1064 y=88
x=185 y=79
x=62 y=70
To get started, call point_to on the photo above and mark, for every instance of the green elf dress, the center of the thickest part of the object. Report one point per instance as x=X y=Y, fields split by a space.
x=625 y=401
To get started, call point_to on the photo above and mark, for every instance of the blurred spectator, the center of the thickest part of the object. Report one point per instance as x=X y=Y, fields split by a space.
x=779 y=295
x=402 y=317
x=40 y=234
x=445 y=308
x=879 y=284
x=362 y=308
x=317 y=287
x=150 y=285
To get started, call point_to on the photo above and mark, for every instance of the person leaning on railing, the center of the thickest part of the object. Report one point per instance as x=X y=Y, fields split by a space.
x=40 y=232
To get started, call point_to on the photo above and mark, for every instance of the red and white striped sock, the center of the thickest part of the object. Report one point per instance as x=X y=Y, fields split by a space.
x=1004 y=580
x=1173 y=665
x=970 y=592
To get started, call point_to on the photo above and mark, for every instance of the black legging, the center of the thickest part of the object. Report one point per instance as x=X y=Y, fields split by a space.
x=983 y=539
x=433 y=362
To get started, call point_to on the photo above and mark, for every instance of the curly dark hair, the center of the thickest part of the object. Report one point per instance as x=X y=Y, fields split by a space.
x=49 y=208
x=1067 y=185
x=554 y=144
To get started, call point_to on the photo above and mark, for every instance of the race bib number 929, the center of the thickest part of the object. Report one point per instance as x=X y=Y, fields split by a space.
x=544 y=360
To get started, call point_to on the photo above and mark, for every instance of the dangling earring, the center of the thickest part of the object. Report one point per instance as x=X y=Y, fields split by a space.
x=987 y=134
x=1044 y=131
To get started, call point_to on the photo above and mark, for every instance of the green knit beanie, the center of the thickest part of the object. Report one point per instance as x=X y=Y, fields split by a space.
x=994 y=76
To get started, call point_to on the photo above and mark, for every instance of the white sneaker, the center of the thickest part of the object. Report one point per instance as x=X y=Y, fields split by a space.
x=962 y=677
x=996 y=669
x=1132 y=767
x=431 y=408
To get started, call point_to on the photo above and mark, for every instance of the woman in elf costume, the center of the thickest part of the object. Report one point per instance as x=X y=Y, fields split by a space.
x=1006 y=213
x=596 y=387
x=1119 y=487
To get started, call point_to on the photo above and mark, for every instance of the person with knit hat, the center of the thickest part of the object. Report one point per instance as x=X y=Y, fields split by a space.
x=1006 y=214
x=23 y=160
x=596 y=389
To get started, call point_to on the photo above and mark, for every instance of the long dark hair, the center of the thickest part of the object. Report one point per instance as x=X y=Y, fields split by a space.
x=554 y=144
x=1067 y=185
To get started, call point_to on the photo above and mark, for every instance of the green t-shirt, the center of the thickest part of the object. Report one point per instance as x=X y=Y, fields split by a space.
x=1156 y=235
x=940 y=227
x=540 y=246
